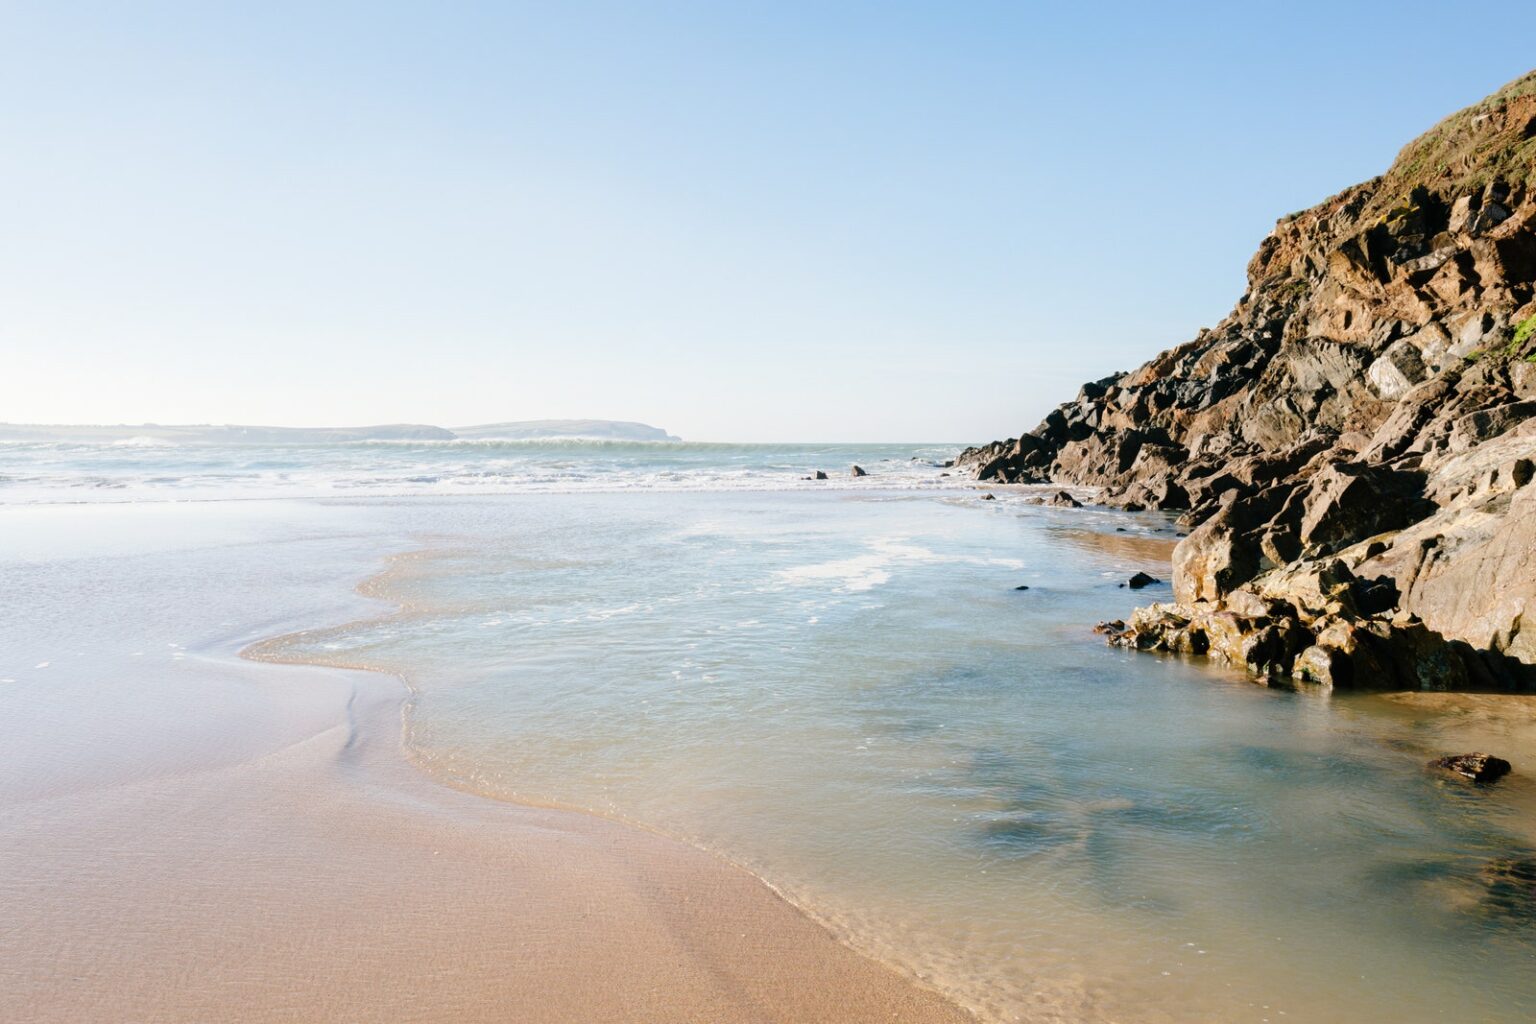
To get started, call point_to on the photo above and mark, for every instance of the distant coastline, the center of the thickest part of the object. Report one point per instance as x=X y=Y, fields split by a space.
x=520 y=430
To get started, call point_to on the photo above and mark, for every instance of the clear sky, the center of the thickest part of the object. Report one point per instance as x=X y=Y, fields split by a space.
x=737 y=221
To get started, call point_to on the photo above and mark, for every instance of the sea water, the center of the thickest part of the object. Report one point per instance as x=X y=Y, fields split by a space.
x=838 y=686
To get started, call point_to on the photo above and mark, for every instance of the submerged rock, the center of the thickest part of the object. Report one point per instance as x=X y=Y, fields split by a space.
x=819 y=475
x=1140 y=580
x=1484 y=768
x=1510 y=886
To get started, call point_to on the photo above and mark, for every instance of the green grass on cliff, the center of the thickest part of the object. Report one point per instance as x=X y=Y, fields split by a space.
x=1493 y=140
x=1524 y=331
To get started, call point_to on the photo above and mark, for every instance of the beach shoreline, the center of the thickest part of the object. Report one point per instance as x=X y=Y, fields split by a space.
x=473 y=910
x=287 y=862
x=203 y=836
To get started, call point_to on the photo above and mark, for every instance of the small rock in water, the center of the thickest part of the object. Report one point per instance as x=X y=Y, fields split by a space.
x=1140 y=580
x=1061 y=499
x=943 y=474
x=1112 y=627
x=1483 y=768
x=1119 y=529
x=989 y=497
x=857 y=471
x=819 y=475
x=1022 y=586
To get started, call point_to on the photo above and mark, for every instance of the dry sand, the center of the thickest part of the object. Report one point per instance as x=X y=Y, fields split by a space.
x=296 y=868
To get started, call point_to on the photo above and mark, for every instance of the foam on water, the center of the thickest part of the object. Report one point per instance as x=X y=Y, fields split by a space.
x=148 y=469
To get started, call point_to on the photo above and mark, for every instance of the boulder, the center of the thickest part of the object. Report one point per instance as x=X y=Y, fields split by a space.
x=1324 y=666
x=1061 y=499
x=1349 y=502
x=1397 y=369
x=857 y=471
x=1483 y=768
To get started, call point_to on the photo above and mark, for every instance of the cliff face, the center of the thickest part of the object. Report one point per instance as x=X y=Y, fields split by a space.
x=1354 y=444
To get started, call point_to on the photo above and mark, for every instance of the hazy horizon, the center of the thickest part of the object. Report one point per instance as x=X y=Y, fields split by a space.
x=318 y=427
x=763 y=223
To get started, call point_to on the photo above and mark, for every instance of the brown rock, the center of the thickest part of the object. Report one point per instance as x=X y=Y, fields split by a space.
x=1323 y=665
x=1484 y=768
x=1356 y=438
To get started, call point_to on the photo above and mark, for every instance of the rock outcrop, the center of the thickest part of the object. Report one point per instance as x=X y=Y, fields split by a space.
x=1354 y=446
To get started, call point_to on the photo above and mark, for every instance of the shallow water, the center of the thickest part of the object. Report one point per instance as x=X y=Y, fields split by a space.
x=843 y=691
x=145 y=469
x=846 y=694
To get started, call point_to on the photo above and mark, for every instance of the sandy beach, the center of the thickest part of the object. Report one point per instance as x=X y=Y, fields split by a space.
x=294 y=867
x=188 y=835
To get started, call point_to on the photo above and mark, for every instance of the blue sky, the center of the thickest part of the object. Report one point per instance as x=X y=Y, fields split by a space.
x=778 y=221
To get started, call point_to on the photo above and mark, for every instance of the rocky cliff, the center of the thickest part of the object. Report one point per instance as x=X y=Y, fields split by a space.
x=1354 y=445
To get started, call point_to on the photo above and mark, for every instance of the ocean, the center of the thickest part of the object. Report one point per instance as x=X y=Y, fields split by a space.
x=881 y=695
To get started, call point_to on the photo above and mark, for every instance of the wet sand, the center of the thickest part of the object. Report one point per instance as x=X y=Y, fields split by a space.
x=292 y=866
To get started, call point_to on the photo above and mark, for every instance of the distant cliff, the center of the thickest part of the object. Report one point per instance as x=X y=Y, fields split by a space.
x=1354 y=445
x=602 y=430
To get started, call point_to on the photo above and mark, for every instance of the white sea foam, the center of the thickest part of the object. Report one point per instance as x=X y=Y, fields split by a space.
x=152 y=469
x=862 y=572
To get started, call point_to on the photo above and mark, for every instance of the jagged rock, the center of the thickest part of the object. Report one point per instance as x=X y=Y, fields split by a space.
x=989 y=496
x=1353 y=447
x=1348 y=502
x=1483 y=424
x=819 y=475
x=1399 y=368
x=1483 y=768
x=1324 y=665
x=857 y=471
x=1225 y=551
